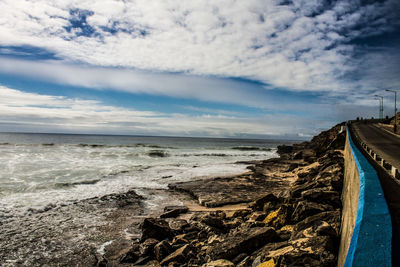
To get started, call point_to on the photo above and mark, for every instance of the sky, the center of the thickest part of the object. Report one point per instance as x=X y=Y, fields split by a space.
x=227 y=68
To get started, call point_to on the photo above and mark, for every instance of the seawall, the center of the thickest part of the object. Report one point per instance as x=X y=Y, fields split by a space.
x=366 y=229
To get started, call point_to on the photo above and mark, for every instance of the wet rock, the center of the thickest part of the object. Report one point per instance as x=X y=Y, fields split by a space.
x=173 y=211
x=155 y=228
x=162 y=250
x=180 y=255
x=219 y=263
x=243 y=241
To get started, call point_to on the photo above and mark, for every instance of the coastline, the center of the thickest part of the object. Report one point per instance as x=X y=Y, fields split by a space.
x=220 y=210
x=284 y=211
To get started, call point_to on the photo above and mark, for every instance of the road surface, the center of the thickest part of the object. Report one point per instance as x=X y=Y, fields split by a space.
x=380 y=141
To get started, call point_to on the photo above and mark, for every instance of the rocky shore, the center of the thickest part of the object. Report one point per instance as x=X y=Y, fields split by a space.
x=284 y=212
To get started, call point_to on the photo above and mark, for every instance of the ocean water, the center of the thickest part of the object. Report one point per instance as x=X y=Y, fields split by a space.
x=38 y=170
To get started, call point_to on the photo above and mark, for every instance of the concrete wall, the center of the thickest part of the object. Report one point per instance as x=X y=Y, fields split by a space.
x=351 y=185
x=366 y=232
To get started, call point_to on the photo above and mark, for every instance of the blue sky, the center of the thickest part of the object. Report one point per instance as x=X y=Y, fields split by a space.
x=195 y=68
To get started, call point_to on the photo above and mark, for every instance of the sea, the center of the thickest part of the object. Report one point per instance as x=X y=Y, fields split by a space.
x=37 y=170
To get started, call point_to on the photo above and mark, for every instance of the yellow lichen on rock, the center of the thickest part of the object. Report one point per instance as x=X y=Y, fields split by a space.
x=288 y=228
x=278 y=218
x=271 y=216
x=269 y=263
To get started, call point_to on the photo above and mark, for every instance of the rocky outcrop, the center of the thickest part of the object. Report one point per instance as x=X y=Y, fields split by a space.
x=292 y=217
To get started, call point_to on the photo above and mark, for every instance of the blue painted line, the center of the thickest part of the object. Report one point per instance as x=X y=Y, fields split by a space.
x=371 y=242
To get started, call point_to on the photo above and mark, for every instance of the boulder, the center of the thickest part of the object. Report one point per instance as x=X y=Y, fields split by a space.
x=155 y=228
x=180 y=255
x=305 y=209
x=243 y=241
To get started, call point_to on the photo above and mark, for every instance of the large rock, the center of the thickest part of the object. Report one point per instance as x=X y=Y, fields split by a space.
x=244 y=241
x=180 y=255
x=155 y=228
x=305 y=209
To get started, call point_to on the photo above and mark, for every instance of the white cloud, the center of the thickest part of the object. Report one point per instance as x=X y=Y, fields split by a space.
x=297 y=46
x=22 y=111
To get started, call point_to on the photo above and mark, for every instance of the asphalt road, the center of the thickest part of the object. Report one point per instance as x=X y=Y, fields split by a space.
x=380 y=141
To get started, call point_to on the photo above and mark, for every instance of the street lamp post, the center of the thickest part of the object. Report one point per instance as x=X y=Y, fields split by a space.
x=395 y=109
x=380 y=98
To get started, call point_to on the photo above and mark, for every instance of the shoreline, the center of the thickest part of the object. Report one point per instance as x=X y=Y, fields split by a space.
x=283 y=211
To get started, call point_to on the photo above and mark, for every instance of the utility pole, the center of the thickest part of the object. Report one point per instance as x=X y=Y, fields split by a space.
x=395 y=109
x=380 y=98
